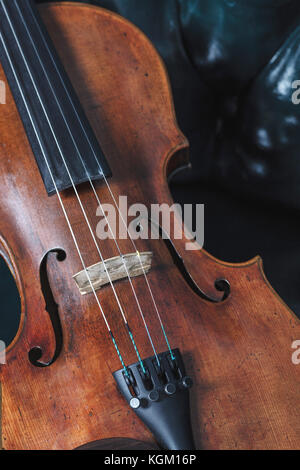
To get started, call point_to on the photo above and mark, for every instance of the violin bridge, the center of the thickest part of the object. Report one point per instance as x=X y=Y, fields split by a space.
x=117 y=268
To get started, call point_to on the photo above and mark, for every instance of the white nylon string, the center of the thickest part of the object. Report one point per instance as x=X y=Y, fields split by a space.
x=97 y=198
x=59 y=197
x=70 y=176
x=67 y=169
x=118 y=209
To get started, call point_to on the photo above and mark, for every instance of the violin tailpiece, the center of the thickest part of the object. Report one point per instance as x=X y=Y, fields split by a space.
x=160 y=398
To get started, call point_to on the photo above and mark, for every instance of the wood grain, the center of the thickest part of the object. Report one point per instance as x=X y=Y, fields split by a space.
x=246 y=392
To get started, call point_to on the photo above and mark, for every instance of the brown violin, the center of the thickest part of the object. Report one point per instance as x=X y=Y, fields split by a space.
x=125 y=340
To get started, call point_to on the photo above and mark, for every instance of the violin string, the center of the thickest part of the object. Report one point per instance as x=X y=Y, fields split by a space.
x=117 y=207
x=61 y=204
x=69 y=175
x=144 y=272
x=94 y=190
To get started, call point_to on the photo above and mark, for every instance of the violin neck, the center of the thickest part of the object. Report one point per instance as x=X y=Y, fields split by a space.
x=56 y=126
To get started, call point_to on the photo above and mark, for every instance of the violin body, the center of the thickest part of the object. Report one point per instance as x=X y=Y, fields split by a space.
x=238 y=351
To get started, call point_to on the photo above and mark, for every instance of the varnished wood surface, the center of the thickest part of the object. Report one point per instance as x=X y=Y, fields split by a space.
x=117 y=444
x=246 y=392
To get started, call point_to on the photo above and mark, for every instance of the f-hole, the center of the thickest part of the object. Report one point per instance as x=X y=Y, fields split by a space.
x=221 y=285
x=36 y=353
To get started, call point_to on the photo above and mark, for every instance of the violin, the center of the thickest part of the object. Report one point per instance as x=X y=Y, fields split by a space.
x=124 y=342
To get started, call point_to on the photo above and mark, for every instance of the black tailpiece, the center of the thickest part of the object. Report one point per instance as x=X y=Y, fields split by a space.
x=160 y=397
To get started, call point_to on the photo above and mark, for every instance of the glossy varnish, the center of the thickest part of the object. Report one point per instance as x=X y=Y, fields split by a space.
x=246 y=392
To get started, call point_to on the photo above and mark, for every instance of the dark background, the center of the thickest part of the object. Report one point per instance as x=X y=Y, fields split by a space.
x=231 y=66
